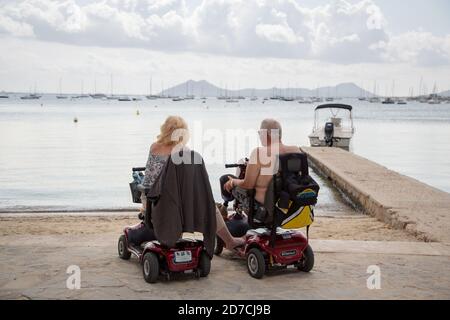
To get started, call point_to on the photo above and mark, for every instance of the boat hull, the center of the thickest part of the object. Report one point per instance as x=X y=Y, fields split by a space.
x=339 y=142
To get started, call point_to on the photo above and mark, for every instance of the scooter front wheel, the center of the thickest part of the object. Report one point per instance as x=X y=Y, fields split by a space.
x=122 y=248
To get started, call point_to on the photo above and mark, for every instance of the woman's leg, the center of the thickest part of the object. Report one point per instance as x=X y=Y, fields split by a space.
x=222 y=231
x=140 y=235
x=144 y=202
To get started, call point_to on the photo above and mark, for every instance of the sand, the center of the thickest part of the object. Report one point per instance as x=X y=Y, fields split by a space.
x=340 y=227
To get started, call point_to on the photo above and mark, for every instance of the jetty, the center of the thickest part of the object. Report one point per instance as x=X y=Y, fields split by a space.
x=398 y=200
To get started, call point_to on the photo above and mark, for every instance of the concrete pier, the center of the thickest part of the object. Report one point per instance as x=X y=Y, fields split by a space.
x=398 y=200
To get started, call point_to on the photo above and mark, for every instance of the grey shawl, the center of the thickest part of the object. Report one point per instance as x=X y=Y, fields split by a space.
x=185 y=200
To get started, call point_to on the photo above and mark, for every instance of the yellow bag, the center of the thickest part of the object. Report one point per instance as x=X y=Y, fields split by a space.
x=299 y=218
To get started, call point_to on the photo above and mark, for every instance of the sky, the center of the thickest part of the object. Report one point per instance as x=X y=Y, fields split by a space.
x=118 y=45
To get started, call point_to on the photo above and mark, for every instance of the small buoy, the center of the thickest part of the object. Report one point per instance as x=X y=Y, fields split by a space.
x=75 y=119
x=137 y=112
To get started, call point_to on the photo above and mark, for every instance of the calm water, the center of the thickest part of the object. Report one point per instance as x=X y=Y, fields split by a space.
x=48 y=162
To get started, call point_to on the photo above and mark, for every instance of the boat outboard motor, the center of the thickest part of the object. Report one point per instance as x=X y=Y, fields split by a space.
x=329 y=133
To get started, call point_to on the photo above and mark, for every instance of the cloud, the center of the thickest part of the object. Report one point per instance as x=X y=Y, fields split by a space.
x=340 y=32
x=418 y=47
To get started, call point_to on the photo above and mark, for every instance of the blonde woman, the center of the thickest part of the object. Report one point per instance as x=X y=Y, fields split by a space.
x=173 y=134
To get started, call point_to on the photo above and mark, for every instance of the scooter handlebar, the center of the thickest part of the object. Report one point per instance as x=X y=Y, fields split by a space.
x=233 y=165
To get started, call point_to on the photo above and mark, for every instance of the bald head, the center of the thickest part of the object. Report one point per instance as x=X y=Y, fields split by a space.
x=272 y=126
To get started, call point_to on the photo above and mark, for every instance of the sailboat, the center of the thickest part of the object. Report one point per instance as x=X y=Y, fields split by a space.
x=111 y=96
x=82 y=95
x=60 y=96
x=31 y=96
x=434 y=97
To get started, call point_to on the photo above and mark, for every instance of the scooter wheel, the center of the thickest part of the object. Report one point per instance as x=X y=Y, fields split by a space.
x=122 y=248
x=150 y=267
x=256 y=264
x=218 y=246
x=204 y=264
x=307 y=262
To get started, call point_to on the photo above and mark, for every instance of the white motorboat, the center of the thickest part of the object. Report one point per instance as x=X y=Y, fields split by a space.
x=337 y=131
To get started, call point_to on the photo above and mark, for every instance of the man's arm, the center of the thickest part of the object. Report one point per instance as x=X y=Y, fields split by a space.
x=251 y=174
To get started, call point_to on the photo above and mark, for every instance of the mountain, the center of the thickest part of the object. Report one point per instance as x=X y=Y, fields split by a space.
x=444 y=93
x=204 y=88
x=191 y=87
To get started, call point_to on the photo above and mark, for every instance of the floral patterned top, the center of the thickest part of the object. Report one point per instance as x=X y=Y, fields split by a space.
x=153 y=168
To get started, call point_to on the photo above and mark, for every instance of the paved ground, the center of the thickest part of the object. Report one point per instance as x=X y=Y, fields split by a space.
x=35 y=268
x=398 y=200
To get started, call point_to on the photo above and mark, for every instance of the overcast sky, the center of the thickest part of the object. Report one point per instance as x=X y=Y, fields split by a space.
x=246 y=43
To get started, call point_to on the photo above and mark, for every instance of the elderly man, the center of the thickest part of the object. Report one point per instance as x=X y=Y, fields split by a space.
x=260 y=169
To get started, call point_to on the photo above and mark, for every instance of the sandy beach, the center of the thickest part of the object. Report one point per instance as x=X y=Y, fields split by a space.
x=342 y=227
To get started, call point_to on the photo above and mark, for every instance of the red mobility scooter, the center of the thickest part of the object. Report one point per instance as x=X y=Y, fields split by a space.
x=273 y=240
x=157 y=259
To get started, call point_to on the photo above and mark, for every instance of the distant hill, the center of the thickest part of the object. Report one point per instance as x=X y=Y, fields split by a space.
x=204 y=88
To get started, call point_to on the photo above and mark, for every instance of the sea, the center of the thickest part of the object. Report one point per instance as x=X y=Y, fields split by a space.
x=77 y=154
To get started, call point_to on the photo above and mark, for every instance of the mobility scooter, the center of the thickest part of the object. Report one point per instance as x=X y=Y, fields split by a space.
x=273 y=240
x=157 y=259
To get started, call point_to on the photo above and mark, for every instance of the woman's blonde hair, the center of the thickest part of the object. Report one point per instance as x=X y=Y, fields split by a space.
x=173 y=131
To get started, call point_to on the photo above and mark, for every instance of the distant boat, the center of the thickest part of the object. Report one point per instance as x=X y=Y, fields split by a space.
x=374 y=100
x=434 y=101
x=152 y=97
x=4 y=96
x=232 y=100
x=337 y=131
x=124 y=98
x=253 y=98
x=81 y=96
x=32 y=96
x=98 y=96
x=60 y=95
x=178 y=99
x=401 y=101
x=136 y=99
x=305 y=100
x=388 y=101
x=329 y=99
x=112 y=97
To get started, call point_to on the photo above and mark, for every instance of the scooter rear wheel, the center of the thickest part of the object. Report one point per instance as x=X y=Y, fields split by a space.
x=307 y=262
x=122 y=248
x=204 y=264
x=150 y=267
x=218 y=246
x=256 y=264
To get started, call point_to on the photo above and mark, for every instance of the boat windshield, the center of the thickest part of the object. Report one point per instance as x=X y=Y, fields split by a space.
x=341 y=118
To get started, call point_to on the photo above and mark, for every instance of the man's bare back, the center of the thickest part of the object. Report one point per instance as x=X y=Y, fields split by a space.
x=264 y=161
